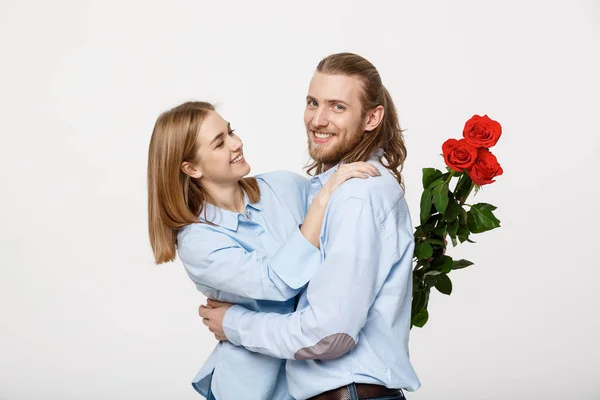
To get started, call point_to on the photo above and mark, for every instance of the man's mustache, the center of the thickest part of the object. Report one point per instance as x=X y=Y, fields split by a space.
x=315 y=130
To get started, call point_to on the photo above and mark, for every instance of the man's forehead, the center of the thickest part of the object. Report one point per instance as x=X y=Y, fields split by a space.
x=332 y=86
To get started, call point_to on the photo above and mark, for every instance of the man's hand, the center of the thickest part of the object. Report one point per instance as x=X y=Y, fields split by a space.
x=212 y=316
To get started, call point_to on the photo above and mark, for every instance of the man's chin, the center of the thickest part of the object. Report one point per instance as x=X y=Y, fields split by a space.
x=324 y=157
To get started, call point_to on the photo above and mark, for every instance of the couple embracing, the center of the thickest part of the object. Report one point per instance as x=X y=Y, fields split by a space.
x=309 y=281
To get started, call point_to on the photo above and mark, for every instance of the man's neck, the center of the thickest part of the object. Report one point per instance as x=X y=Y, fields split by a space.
x=327 y=167
x=227 y=197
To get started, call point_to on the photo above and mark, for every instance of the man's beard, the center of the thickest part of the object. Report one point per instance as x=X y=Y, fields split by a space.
x=333 y=155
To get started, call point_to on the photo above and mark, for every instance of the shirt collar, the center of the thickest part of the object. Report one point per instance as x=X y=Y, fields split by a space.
x=325 y=176
x=257 y=206
x=322 y=178
x=225 y=218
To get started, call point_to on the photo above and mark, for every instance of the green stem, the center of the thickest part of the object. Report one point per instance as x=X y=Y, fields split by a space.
x=450 y=177
x=462 y=201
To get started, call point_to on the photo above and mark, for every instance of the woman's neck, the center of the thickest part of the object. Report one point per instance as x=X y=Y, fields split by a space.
x=230 y=197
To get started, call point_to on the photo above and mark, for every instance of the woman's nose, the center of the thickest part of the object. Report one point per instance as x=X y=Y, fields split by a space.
x=236 y=143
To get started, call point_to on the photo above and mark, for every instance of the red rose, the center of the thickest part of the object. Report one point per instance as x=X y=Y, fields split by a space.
x=485 y=169
x=459 y=154
x=482 y=131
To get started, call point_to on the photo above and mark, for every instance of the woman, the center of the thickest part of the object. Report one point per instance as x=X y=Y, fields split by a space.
x=249 y=241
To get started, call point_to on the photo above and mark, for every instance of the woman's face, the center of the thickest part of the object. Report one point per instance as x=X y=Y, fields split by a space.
x=219 y=159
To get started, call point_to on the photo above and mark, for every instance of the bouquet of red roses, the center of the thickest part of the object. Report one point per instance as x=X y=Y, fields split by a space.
x=470 y=162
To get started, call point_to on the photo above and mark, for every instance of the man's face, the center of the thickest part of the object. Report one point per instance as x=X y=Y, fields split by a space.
x=333 y=117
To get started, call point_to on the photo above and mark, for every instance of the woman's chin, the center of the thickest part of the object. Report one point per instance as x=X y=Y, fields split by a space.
x=244 y=169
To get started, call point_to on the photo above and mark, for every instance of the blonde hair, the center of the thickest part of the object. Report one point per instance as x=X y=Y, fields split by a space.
x=388 y=135
x=175 y=199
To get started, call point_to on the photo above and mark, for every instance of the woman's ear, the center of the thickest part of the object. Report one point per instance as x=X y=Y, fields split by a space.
x=189 y=169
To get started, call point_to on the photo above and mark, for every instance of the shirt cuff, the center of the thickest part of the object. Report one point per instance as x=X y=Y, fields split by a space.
x=231 y=323
x=296 y=248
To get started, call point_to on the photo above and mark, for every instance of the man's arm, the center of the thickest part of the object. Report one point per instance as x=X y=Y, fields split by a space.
x=361 y=249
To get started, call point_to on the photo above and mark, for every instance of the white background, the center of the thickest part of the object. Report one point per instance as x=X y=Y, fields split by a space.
x=85 y=313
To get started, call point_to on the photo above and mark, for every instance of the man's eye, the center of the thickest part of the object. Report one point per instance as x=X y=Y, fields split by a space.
x=231 y=132
x=339 y=107
x=312 y=103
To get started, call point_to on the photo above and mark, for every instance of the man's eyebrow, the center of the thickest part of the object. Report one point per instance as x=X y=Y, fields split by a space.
x=331 y=101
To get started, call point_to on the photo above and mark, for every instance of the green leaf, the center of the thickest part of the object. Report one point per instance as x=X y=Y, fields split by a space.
x=452 y=211
x=459 y=264
x=433 y=273
x=461 y=181
x=423 y=251
x=429 y=281
x=440 y=231
x=463 y=216
x=425 y=205
x=453 y=228
x=429 y=227
x=480 y=218
x=437 y=182
x=486 y=206
x=421 y=264
x=444 y=284
x=443 y=264
x=431 y=224
x=429 y=175
x=463 y=233
x=440 y=197
x=462 y=187
x=420 y=319
x=435 y=241
x=419 y=301
x=419 y=232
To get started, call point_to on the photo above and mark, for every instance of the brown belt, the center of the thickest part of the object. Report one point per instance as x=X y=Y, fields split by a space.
x=364 y=390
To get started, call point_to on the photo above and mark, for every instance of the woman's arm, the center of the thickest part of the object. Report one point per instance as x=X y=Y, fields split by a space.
x=214 y=259
x=311 y=228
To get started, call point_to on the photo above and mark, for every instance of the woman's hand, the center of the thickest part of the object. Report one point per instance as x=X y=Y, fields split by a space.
x=311 y=228
x=344 y=172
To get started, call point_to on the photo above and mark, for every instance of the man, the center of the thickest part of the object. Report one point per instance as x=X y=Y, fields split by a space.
x=348 y=338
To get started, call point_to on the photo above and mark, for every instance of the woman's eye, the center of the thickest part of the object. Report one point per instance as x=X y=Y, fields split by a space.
x=220 y=144
x=339 y=107
x=231 y=132
x=312 y=103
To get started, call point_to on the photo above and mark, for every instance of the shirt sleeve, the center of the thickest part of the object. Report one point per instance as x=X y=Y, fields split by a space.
x=359 y=255
x=303 y=185
x=213 y=259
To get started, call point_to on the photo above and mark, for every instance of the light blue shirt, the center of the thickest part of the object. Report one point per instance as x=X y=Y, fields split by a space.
x=249 y=260
x=353 y=319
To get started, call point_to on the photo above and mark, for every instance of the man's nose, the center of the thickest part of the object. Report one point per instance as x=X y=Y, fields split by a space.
x=320 y=118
